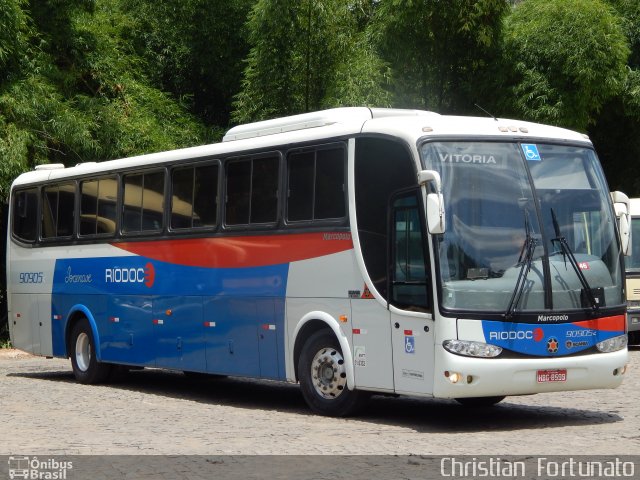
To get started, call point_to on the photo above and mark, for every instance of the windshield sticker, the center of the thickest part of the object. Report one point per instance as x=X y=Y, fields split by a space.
x=467 y=158
x=531 y=152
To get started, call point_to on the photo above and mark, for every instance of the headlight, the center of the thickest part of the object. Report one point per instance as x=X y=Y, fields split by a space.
x=633 y=303
x=613 y=344
x=472 y=349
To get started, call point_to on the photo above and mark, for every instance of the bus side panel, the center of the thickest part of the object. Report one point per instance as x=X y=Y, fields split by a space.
x=322 y=286
x=126 y=329
x=153 y=313
x=179 y=332
x=29 y=286
x=232 y=343
x=276 y=339
x=373 y=356
x=24 y=311
x=246 y=337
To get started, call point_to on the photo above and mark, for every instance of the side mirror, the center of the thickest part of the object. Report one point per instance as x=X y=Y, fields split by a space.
x=622 y=208
x=434 y=201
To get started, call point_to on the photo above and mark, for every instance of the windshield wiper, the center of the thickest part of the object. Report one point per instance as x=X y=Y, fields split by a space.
x=567 y=253
x=524 y=260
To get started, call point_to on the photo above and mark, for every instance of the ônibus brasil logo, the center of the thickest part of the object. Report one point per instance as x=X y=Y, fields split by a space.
x=146 y=275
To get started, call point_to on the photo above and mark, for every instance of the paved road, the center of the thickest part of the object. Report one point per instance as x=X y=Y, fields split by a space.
x=43 y=411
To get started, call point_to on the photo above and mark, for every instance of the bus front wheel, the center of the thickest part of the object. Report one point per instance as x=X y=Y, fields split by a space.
x=323 y=377
x=86 y=367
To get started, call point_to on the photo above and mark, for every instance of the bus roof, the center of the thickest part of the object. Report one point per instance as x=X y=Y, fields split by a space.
x=407 y=125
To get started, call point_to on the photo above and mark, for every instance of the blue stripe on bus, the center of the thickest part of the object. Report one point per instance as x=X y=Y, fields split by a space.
x=152 y=313
x=554 y=339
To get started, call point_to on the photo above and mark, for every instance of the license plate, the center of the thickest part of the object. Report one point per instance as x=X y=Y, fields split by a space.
x=545 y=376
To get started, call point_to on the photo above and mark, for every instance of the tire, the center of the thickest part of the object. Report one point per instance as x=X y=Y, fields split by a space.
x=84 y=363
x=323 y=377
x=634 y=337
x=480 y=401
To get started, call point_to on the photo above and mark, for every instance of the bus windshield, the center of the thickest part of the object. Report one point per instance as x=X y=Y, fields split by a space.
x=528 y=228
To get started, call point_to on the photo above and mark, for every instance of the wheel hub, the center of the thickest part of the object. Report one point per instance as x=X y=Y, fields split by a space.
x=328 y=373
x=83 y=352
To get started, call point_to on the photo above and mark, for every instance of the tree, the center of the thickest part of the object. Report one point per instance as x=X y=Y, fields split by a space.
x=77 y=91
x=193 y=49
x=616 y=130
x=14 y=34
x=440 y=53
x=568 y=57
x=307 y=55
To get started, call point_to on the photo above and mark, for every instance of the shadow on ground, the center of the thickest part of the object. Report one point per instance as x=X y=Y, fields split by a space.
x=421 y=415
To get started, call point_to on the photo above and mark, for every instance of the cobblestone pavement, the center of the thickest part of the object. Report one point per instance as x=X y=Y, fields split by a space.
x=44 y=412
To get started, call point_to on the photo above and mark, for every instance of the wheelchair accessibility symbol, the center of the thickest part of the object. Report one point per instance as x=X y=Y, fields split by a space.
x=531 y=152
x=409 y=344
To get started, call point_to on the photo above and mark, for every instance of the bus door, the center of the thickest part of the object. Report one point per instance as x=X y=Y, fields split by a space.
x=411 y=321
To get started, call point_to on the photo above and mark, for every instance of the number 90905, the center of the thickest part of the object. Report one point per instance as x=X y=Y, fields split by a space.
x=31 y=277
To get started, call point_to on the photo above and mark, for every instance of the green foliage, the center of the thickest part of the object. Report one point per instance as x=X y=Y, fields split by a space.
x=307 y=55
x=88 y=80
x=616 y=130
x=13 y=155
x=568 y=58
x=629 y=12
x=14 y=33
x=80 y=93
x=193 y=49
x=440 y=53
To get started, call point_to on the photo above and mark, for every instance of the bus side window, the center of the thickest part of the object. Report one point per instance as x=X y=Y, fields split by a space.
x=408 y=240
x=252 y=191
x=98 y=206
x=316 y=184
x=194 y=197
x=58 y=202
x=25 y=215
x=143 y=202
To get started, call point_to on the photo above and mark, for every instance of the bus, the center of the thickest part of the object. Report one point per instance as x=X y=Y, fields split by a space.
x=632 y=265
x=355 y=251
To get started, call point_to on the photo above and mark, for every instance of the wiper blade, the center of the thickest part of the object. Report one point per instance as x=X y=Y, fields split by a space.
x=524 y=260
x=568 y=253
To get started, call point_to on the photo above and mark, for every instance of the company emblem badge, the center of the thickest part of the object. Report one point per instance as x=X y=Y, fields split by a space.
x=149 y=275
x=552 y=345
x=538 y=333
x=146 y=275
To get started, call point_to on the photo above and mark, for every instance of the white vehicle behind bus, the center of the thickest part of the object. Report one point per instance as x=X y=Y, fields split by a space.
x=632 y=267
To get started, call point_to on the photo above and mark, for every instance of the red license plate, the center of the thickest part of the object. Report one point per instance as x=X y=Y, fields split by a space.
x=545 y=376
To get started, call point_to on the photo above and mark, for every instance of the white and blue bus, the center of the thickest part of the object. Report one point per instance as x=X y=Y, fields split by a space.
x=351 y=250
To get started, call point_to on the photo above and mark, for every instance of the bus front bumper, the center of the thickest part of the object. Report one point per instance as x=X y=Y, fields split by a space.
x=460 y=377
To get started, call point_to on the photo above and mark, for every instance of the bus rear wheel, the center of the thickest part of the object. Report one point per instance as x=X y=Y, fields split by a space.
x=480 y=401
x=323 y=377
x=84 y=363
